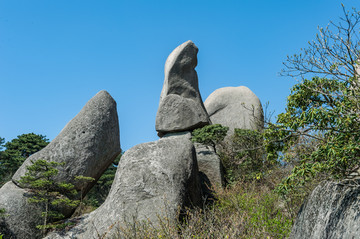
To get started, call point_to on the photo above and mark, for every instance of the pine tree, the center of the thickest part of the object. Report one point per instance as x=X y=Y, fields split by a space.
x=83 y=180
x=16 y=151
x=47 y=192
x=210 y=135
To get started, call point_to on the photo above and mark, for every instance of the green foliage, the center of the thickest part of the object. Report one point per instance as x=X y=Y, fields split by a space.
x=2 y=212
x=2 y=141
x=325 y=111
x=2 y=226
x=17 y=150
x=48 y=193
x=244 y=158
x=262 y=215
x=210 y=134
x=318 y=135
x=83 y=181
x=97 y=195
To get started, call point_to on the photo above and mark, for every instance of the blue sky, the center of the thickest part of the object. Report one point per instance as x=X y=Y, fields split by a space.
x=55 y=55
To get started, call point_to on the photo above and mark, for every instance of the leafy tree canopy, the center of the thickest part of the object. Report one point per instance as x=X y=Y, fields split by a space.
x=247 y=160
x=323 y=110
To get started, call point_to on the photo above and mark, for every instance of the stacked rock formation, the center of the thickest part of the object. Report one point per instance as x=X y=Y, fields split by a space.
x=153 y=181
x=235 y=107
x=181 y=107
x=87 y=145
x=331 y=211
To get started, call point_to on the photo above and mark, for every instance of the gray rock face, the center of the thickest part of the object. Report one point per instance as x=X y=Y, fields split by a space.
x=209 y=163
x=87 y=145
x=153 y=180
x=331 y=211
x=22 y=217
x=181 y=107
x=235 y=107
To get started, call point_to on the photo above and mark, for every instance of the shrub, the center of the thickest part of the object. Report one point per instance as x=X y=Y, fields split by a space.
x=210 y=134
x=244 y=156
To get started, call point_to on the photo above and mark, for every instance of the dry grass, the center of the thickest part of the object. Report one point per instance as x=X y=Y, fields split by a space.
x=241 y=211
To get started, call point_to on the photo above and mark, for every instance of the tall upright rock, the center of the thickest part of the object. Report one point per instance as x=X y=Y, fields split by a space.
x=331 y=211
x=153 y=181
x=235 y=107
x=181 y=107
x=87 y=145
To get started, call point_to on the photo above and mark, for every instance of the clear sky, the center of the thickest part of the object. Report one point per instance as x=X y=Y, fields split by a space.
x=55 y=55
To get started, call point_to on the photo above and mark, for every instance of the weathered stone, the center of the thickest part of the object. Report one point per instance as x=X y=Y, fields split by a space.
x=235 y=107
x=181 y=107
x=87 y=145
x=21 y=217
x=153 y=181
x=331 y=211
x=209 y=163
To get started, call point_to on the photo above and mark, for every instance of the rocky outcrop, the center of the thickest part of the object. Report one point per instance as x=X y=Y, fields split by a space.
x=153 y=181
x=331 y=211
x=210 y=166
x=235 y=107
x=87 y=145
x=181 y=107
x=21 y=217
